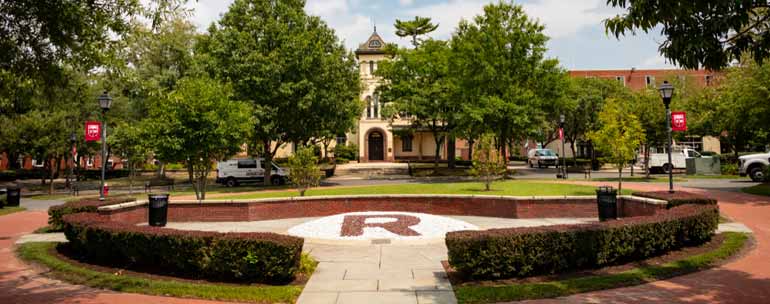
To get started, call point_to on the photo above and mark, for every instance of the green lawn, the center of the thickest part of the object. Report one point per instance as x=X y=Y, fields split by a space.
x=733 y=243
x=63 y=270
x=8 y=210
x=761 y=189
x=511 y=188
x=639 y=179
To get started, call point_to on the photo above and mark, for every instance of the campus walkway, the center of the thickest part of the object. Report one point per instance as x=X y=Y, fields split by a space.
x=745 y=280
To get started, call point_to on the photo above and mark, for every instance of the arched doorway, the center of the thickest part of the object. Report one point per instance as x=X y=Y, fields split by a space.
x=376 y=143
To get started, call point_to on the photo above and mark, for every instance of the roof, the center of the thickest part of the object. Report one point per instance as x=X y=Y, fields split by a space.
x=373 y=45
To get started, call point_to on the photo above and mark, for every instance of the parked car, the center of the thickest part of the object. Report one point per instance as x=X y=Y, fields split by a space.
x=235 y=171
x=659 y=161
x=542 y=158
x=754 y=166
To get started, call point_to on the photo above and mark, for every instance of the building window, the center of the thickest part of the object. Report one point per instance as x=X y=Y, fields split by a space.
x=649 y=81
x=89 y=162
x=371 y=67
x=342 y=140
x=376 y=106
x=37 y=164
x=707 y=79
x=406 y=143
x=621 y=80
x=368 y=106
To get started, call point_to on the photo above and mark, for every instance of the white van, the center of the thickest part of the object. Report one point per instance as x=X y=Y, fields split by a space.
x=232 y=172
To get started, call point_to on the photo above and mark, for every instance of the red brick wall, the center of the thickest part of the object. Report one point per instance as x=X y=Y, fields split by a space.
x=461 y=205
x=636 y=79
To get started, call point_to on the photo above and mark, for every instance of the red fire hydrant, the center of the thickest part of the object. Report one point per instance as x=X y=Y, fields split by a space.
x=106 y=189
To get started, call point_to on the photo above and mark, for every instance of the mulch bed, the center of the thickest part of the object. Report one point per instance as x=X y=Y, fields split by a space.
x=716 y=242
x=63 y=253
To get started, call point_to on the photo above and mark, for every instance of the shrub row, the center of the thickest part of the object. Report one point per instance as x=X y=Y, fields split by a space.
x=88 y=204
x=678 y=198
x=520 y=252
x=246 y=257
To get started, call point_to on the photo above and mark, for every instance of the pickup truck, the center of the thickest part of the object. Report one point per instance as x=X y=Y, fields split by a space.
x=754 y=165
x=659 y=161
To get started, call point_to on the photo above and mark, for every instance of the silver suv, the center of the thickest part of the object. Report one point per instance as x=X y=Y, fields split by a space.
x=754 y=166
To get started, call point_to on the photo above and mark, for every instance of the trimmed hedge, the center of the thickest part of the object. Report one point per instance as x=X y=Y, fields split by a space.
x=521 y=252
x=89 y=204
x=678 y=198
x=247 y=257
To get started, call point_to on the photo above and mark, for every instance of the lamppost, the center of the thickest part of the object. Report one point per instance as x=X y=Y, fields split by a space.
x=563 y=151
x=105 y=101
x=73 y=139
x=666 y=92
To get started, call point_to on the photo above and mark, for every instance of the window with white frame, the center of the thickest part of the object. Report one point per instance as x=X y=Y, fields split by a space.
x=406 y=143
x=342 y=140
x=368 y=106
x=621 y=80
x=371 y=67
x=376 y=106
x=649 y=81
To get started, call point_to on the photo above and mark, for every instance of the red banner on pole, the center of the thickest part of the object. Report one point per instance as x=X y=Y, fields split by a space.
x=678 y=121
x=93 y=130
x=561 y=134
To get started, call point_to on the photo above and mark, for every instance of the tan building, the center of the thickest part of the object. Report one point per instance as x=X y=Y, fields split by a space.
x=374 y=134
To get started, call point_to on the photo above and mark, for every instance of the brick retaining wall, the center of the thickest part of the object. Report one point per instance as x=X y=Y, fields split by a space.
x=282 y=208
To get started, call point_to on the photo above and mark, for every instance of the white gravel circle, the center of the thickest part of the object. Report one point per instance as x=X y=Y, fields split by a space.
x=430 y=227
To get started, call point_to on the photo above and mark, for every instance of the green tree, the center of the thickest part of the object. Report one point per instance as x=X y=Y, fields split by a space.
x=709 y=34
x=303 y=169
x=417 y=87
x=414 y=28
x=648 y=108
x=129 y=142
x=198 y=123
x=619 y=136
x=286 y=64
x=488 y=163
x=589 y=94
x=499 y=66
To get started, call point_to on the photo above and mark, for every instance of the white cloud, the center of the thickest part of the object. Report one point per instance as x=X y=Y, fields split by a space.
x=656 y=62
x=327 y=7
x=564 y=18
x=405 y=2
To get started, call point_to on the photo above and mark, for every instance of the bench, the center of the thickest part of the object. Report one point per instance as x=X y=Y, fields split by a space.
x=159 y=182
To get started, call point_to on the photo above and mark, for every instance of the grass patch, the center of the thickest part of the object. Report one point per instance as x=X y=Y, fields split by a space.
x=732 y=244
x=761 y=189
x=60 y=269
x=8 y=210
x=49 y=197
x=722 y=176
x=510 y=188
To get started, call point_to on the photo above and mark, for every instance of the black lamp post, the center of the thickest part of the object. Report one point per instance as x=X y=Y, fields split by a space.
x=666 y=92
x=73 y=139
x=563 y=151
x=105 y=101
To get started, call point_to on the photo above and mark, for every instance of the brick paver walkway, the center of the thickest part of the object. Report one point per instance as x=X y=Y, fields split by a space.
x=746 y=280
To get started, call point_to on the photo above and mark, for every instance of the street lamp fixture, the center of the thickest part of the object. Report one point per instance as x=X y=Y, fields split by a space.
x=105 y=101
x=666 y=92
x=71 y=178
x=563 y=151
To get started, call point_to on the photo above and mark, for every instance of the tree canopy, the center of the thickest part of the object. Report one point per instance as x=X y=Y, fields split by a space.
x=414 y=28
x=619 y=136
x=699 y=34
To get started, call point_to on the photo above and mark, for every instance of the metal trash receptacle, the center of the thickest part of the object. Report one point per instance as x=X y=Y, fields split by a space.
x=158 y=213
x=607 y=201
x=13 y=196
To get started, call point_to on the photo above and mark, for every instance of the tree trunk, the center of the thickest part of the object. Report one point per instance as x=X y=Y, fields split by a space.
x=268 y=156
x=436 y=157
x=647 y=161
x=450 y=151
x=193 y=180
x=130 y=176
x=51 y=174
x=574 y=155
x=620 y=178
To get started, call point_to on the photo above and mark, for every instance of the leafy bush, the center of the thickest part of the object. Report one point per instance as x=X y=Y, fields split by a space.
x=520 y=252
x=12 y=175
x=729 y=169
x=678 y=198
x=97 y=174
x=346 y=152
x=303 y=170
x=488 y=164
x=245 y=257
x=89 y=204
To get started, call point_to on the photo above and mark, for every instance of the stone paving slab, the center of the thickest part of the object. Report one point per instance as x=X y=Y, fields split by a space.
x=42 y=237
x=390 y=297
x=733 y=227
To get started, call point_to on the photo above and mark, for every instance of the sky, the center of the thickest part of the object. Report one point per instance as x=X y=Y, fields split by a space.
x=575 y=28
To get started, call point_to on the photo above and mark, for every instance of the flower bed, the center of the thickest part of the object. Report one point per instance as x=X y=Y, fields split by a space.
x=89 y=204
x=248 y=257
x=519 y=252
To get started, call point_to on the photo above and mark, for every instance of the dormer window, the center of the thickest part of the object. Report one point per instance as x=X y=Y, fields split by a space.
x=375 y=44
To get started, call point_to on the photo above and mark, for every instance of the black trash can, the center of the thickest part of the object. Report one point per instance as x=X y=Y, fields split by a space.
x=13 y=196
x=2 y=198
x=158 y=209
x=607 y=201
